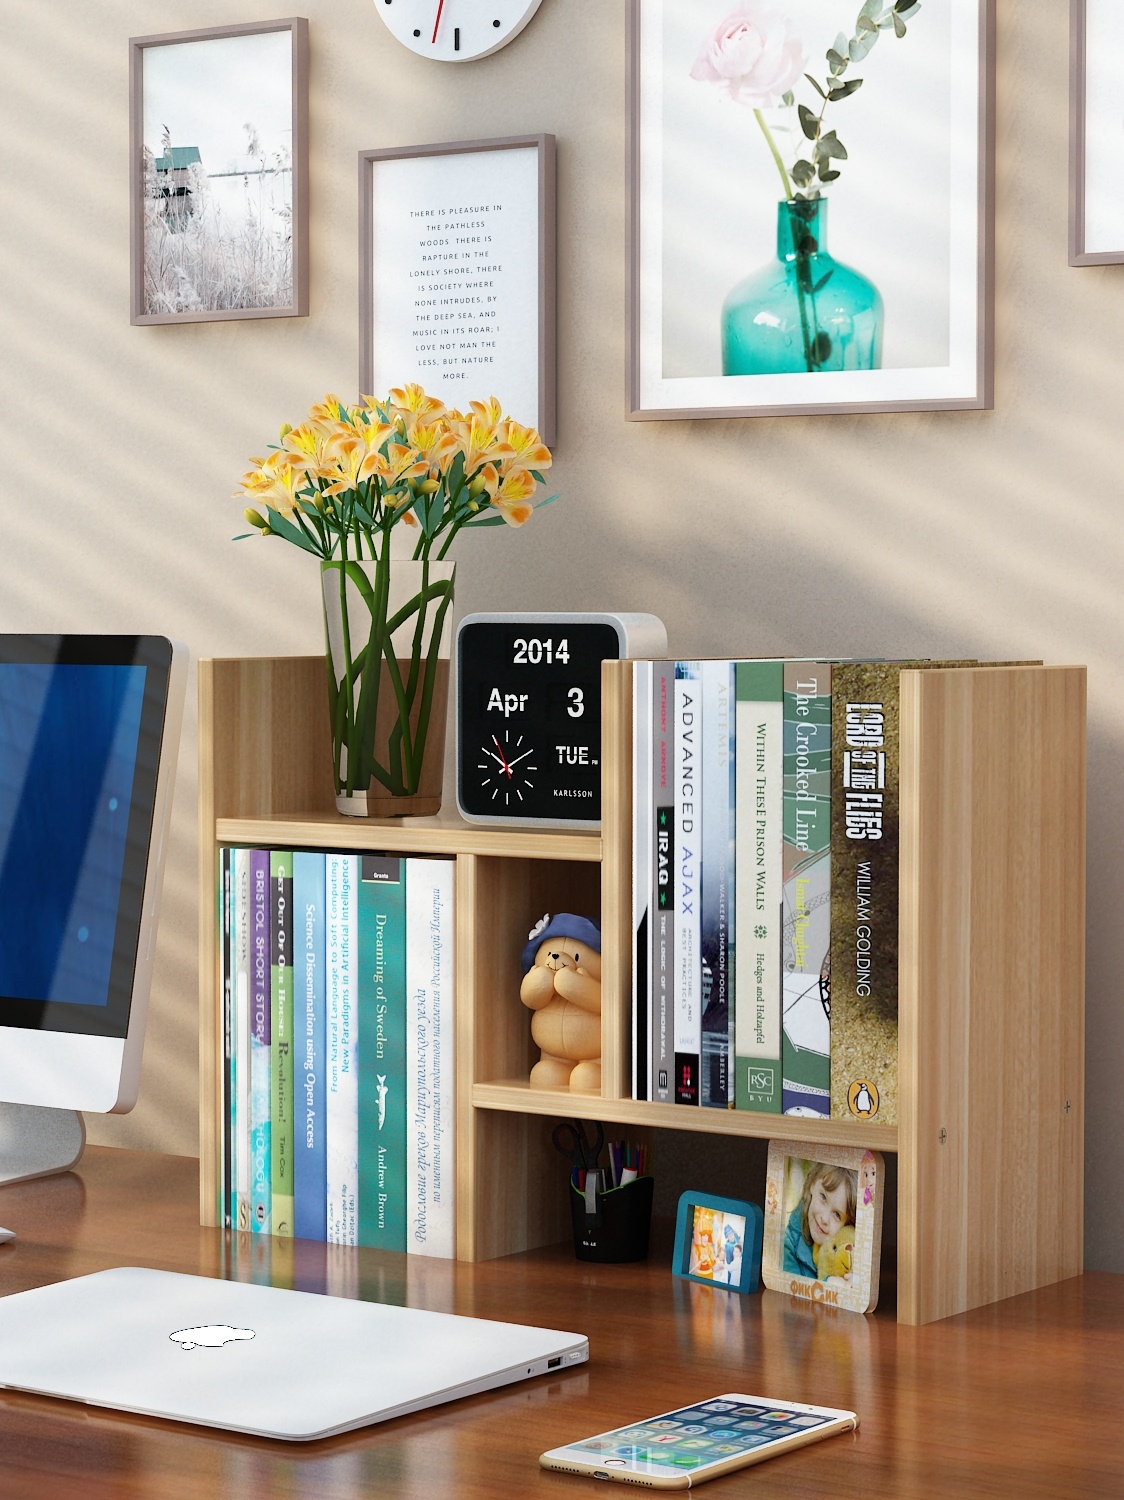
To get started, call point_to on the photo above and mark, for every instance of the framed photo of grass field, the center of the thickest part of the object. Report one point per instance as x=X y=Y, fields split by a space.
x=219 y=173
x=810 y=206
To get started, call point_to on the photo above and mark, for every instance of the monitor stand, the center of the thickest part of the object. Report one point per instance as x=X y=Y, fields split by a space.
x=36 y=1141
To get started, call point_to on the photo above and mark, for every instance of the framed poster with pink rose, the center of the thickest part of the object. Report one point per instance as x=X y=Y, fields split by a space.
x=810 y=193
x=823 y=1223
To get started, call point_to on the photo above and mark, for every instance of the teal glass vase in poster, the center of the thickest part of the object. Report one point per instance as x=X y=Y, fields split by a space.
x=804 y=311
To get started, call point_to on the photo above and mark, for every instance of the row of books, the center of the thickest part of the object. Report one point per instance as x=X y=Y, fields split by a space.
x=337 y=984
x=765 y=857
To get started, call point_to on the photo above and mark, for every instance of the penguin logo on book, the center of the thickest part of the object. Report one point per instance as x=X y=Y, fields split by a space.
x=382 y=1093
x=862 y=1098
x=210 y=1336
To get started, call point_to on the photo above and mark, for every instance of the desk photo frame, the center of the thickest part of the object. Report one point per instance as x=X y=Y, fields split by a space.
x=704 y=341
x=457 y=257
x=218 y=204
x=831 y=1269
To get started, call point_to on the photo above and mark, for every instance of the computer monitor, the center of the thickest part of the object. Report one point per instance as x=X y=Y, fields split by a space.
x=89 y=736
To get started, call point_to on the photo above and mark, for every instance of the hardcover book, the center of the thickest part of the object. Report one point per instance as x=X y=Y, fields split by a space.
x=759 y=687
x=310 y=1152
x=688 y=875
x=430 y=1057
x=663 y=882
x=806 y=915
x=281 y=994
x=716 y=899
x=382 y=1029
x=342 y=1093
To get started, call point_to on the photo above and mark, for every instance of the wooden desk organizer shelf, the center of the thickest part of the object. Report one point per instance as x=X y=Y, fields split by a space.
x=991 y=960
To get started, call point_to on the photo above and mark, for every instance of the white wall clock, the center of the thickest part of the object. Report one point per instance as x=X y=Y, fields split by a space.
x=455 y=30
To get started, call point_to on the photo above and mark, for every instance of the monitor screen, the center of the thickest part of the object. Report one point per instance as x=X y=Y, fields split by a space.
x=83 y=721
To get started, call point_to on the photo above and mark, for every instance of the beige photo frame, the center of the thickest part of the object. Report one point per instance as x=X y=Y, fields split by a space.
x=823 y=1224
x=218 y=126
x=457 y=273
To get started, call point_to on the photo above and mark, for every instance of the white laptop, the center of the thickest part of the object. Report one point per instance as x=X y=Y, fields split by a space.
x=257 y=1359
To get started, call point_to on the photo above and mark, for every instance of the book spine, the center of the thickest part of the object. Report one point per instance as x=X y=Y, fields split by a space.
x=688 y=874
x=663 y=882
x=759 y=688
x=261 y=1079
x=281 y=993
x=342 y=1092
x=240 y=1046
x=641 y=878
x=382 y=1023
x=430 y=1057
x=310 y=1155
x=864 y=891
x=226 y=993
x=715 y=914
x=806 y=919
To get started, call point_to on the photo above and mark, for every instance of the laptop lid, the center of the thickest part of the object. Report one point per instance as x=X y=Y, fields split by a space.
x=257 y=1359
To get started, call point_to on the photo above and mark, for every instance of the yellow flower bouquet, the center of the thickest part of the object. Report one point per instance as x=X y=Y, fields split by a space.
x=336 y=486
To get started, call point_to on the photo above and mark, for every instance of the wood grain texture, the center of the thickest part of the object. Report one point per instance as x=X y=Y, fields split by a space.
x=992 y=984
x=1005 y=1401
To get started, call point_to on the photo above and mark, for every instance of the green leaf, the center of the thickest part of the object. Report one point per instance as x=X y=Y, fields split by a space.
x=788 y=98
x=861 y=45
x=831 y=145
x=282 y=527
x=836 y=61
x=871 y=9
x=823 y=281
x=244 y=536
x=821 y=349
x=808 y=122
x=864 y=23
x=842 y=90
x=907 y=9
x=827 y=175
x=899 y=25
x=815 y=85
x=840 y=45
x=803 y=172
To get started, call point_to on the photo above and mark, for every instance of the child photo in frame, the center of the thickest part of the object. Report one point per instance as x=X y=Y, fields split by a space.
x=718 y=1241
x=823 y=1223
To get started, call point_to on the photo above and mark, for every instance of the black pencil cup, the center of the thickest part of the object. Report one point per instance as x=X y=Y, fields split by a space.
x=617 y=1229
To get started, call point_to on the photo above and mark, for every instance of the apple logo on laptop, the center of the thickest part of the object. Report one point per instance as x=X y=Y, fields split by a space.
x=209 y=1336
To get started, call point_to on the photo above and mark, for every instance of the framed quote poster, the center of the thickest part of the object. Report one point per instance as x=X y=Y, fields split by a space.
x=810 y=207
x=1096 y=208
x=457 y=273
x=219 y=160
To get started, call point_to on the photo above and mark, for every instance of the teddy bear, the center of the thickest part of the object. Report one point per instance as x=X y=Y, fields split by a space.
x=562 y=985
x=835 y=1256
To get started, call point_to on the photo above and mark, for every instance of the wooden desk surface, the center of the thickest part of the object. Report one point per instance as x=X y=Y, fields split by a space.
x=1024 y=1399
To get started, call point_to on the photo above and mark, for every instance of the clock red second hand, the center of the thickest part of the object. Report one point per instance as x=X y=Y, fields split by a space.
x=503 y=762
x=437 y=22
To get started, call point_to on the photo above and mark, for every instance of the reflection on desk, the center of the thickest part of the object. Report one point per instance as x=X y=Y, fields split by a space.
x=1004 y=1401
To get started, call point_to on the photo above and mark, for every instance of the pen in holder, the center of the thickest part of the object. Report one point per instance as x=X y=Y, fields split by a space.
x=610 y=1223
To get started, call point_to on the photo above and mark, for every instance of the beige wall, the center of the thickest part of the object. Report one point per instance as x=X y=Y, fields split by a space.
x=993 y=533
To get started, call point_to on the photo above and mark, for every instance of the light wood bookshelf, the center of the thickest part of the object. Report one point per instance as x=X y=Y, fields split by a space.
x=991 y=965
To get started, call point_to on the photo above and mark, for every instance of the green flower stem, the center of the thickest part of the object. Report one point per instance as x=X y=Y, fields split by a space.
x=771 y=143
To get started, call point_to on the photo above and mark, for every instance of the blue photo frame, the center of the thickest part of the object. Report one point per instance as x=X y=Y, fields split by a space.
x=718 y=1242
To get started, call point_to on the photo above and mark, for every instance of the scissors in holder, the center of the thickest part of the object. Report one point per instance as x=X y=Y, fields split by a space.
x=571 y=1139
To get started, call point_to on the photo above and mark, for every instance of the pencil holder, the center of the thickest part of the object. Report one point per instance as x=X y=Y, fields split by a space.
x=617 y=1229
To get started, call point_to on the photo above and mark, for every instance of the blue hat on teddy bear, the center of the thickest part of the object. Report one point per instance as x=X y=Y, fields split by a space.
x=564 y=925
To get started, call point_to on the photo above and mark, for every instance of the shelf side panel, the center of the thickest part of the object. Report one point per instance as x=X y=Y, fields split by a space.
x=992 y=985
x=272 y=752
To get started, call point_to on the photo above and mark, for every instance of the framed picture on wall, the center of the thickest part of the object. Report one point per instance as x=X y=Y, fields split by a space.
x=1096 y=208
x=219 y=162
x=457 y=273
x=810 y=208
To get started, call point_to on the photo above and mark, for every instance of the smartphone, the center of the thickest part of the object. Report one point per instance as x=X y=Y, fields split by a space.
x=685 y=1447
